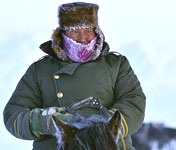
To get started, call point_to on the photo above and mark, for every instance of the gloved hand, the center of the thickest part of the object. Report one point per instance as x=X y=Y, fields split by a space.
x=41 y=121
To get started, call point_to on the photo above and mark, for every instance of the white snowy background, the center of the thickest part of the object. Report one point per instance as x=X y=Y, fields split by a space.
x=142 y=30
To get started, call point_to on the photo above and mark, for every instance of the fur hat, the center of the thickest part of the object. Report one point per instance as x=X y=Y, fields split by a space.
x=77 y=15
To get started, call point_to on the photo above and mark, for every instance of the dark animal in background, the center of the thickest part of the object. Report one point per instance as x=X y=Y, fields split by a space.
x=155 y=137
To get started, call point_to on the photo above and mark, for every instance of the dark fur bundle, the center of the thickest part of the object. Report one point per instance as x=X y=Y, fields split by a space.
x=93 y=133
x=96 y=135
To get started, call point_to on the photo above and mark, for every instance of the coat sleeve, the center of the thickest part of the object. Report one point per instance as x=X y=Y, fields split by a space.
x=26 y=97
x=129 y=99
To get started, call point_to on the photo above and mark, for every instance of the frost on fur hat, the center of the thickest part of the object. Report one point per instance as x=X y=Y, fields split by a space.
x=77 y=15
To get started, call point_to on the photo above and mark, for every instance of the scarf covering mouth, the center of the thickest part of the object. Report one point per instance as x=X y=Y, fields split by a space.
x=78 y=52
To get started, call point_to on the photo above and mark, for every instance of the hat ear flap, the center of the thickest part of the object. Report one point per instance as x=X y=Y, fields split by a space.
x=115 y=123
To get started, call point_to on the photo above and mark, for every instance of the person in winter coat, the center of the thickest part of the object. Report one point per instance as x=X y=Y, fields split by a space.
x=78 y=65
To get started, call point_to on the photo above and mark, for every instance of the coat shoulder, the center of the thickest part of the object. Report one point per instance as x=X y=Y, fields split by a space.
x=115 y=57
x=44 y=60
x=41 y=64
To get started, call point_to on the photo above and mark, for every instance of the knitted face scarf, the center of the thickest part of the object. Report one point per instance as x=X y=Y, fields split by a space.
x=78 y=52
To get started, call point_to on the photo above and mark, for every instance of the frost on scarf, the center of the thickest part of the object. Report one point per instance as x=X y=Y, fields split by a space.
x=78 y=52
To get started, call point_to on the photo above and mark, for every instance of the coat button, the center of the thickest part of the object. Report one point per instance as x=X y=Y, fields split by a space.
x=56 y=76
x=60 y=95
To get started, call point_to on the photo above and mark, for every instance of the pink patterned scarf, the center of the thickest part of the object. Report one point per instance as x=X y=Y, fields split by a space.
x=78 y=52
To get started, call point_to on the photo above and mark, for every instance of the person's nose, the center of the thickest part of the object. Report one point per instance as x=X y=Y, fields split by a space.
x=82 y=39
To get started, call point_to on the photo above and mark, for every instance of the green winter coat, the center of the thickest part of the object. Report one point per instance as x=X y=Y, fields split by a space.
x=51 y=82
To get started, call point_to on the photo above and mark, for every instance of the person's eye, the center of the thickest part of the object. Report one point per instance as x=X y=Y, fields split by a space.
x=88 y=31
x=75 y=32
x=72 y=32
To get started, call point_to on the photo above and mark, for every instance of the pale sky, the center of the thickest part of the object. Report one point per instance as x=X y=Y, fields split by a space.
x=142 y=30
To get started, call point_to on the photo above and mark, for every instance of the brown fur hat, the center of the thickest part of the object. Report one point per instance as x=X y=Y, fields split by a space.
x=77 y=15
